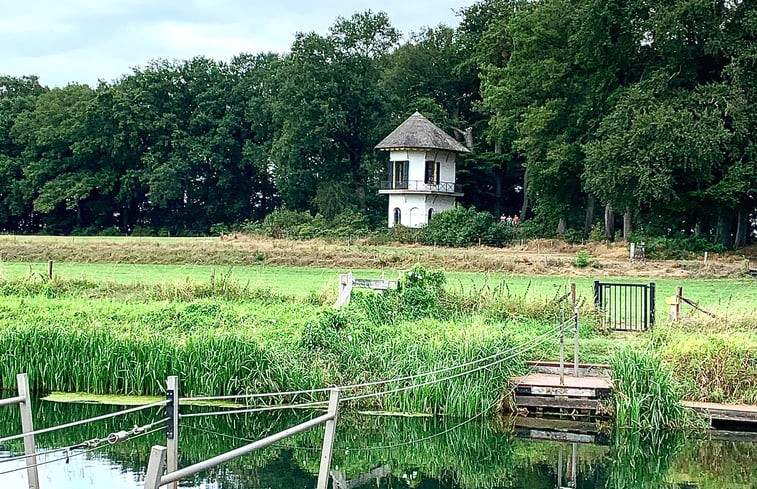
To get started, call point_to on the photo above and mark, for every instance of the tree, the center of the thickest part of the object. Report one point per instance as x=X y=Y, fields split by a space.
x=331 y=108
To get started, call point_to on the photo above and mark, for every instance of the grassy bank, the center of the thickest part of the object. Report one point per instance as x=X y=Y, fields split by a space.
x=227 y=338
x=731 y=299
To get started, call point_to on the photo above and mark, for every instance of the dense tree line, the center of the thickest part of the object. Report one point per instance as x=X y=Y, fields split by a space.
x=638 y=114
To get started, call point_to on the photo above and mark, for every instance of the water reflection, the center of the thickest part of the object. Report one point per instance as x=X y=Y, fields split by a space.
x=377 y=452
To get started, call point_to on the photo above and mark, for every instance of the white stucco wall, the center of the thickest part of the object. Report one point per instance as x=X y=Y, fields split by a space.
x=414 y=207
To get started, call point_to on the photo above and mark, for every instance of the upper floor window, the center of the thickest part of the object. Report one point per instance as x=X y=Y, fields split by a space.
x=433 y=168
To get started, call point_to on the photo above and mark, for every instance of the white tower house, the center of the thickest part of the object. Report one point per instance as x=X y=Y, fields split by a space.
x=421 y=171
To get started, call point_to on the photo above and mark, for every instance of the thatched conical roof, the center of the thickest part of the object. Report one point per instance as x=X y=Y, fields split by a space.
x=417 y=132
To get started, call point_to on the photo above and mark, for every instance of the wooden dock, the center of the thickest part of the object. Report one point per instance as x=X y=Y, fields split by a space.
x=725 y=413
x=576 y=396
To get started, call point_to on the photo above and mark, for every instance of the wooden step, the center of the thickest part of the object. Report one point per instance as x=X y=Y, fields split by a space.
x=584 y=369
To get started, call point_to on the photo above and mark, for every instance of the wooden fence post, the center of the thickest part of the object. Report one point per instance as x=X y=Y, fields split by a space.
x=172 y=427
x=50 y=269
x=27 y=426
x=155 y=467
x=328 y=440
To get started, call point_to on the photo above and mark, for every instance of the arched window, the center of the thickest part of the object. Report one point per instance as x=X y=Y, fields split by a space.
x=397 y=216
x=430 y=213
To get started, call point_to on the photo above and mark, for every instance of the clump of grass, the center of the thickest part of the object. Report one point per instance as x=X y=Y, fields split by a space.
x=645 y=395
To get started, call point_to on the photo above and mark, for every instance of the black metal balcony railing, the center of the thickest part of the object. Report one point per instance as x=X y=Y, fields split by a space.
x=420 y=185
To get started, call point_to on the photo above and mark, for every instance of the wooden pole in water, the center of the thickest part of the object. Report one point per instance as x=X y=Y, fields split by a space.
x=562 y=351
x=328 y=440
x=172 y=427
x=27 y=426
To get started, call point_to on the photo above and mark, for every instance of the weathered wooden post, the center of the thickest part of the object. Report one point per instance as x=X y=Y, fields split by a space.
x=27 y=426
x=575 y=341
x=562 y=351
x=328 y=440
x=155 y=467
x=50 y=269
x=172 y=426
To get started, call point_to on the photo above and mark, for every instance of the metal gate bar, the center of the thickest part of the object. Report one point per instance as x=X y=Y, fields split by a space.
x=625 y=307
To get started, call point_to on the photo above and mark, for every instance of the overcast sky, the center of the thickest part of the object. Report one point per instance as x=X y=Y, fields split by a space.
x=82 y=41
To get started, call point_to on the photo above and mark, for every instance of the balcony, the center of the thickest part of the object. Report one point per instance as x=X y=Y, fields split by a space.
x=419 y=186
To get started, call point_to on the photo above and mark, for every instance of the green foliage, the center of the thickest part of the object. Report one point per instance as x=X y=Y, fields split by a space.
x=582 y=259
x=457 y=227
x=681 y=248
x=645 y=395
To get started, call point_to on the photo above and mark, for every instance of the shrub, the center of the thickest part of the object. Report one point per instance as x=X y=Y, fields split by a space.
x=573 y=236
x=283 y=223
x=681 y=248
x=597 y=233
x=500 y=234
x=582 y=259
x=456 y=227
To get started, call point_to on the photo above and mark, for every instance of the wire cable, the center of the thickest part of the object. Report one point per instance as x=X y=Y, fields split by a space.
x=100 y=445
x=537 y=340
x=364 y=384
x=84 y=421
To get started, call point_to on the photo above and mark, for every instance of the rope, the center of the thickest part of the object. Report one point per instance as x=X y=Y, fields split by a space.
x=100 y=443
x=364 y=384
x=696 y=306
x=380 y=447
x=83 y=421
x=137 y=430
x=537 y=340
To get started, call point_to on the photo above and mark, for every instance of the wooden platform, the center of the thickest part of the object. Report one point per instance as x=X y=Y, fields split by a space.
x=733 y=413
x=584 y=369
x=577 y=395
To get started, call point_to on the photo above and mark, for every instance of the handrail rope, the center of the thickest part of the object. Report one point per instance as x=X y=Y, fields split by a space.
x=84 y=421
x=134 y=431
x=435 y=435
x=101 y=444
x=460 y=374
x=380 y=447
x=374 y=394
x=368 y=384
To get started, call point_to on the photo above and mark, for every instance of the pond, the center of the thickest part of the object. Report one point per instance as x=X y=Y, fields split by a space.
x=377 y=452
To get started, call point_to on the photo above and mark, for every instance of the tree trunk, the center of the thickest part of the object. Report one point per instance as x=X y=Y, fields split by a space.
x=627 y=225
x=524 y=207
x=698 y=228
x=724 y=230
x=78 y=215
x=609 y=222
x=589 y=221
x=498 y=175
x=469 y=138
x=562 y=226
x=741 y=228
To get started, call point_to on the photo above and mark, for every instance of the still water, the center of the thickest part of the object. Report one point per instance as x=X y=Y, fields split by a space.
x=379 y=452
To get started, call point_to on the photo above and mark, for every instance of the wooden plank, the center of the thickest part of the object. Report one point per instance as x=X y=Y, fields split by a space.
x=556 y=424
x=555 y=402
x=550 y=380
x=537 y=390
x=740 y=413
x=562 y=436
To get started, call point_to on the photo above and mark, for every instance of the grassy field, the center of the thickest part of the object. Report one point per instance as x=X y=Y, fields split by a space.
x=110 y=327
x=724 y=297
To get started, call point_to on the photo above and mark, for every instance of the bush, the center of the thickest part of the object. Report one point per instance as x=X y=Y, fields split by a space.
x=456 y=227
x=500 y=234
x=282 y=222
x=597 y=233
x=582 y=259
x=573 y=236
x=681 y=248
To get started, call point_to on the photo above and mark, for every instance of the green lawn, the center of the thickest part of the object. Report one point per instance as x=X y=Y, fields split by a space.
x=736 y=297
